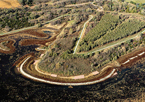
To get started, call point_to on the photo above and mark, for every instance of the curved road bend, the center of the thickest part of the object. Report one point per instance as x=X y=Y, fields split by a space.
x=59 y=83
x=82 y=33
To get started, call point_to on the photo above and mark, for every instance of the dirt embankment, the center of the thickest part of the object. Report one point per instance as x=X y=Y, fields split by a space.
x=29 y=32
x=34 y=32
x=10 y=45
x=132 y=58
x=26 y=42
x=28 y=37
x=19 y=61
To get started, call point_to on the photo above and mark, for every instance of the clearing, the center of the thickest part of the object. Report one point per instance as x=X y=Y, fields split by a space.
x=9 y=3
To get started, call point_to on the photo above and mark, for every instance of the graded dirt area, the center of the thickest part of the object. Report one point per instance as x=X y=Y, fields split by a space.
x=9 y=4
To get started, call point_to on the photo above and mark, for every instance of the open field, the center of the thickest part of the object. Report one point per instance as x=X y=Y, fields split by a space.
x=9 y=3
x=136 y=1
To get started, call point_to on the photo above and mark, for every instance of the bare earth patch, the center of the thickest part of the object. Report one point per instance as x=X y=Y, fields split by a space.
x=9 y=4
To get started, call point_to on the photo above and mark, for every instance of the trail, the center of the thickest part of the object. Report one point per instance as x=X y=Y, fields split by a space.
x=82 y=34
x=61 y=83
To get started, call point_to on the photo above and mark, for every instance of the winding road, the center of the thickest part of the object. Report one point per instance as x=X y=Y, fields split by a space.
x=61 y=83
x=75 y=49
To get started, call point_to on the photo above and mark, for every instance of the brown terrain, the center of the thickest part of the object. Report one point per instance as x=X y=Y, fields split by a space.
x=9 y=4
x=26 y=42
x=28 y=37
x=10 y=45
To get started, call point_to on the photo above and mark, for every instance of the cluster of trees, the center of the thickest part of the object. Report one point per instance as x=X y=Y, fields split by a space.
x=123 y=30
x=14 y=19
x=31 y=2
x=108 y=22
x=121 y=6
x=11 y=19
x=24 y=2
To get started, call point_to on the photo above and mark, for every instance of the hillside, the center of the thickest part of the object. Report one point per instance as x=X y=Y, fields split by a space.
x=9 y=3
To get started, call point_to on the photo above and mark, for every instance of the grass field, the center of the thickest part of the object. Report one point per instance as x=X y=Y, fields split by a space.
x=137 y=1
x=9 y=3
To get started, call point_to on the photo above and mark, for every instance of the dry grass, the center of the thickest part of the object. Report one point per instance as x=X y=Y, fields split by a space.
x=55 y=26
x=9 y=4
x=137 y=1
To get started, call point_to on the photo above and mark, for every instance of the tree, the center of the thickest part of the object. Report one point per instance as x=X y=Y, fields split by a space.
x=22 y=2
x=127 y=9
x=106 y=7
x=39 y=25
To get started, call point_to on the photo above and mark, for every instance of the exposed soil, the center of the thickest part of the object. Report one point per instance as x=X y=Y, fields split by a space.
x=33 y=72
x=27 y=38
x=34 y=32
x=10 y=45
x=29 y=32
x=22 y=58
x=9 y=3
x=26 y=42
x=124 y=58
